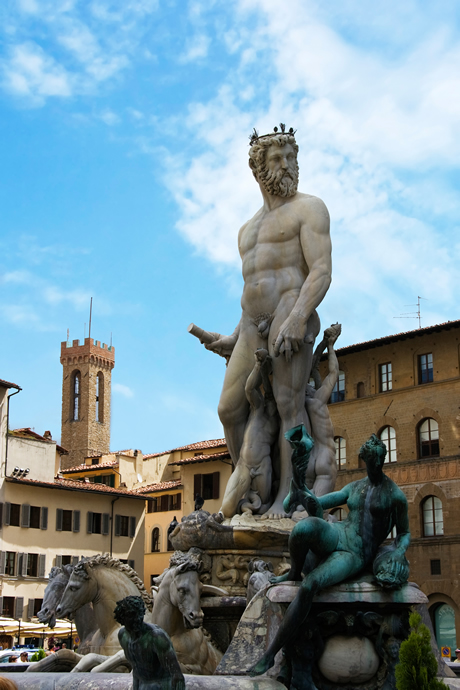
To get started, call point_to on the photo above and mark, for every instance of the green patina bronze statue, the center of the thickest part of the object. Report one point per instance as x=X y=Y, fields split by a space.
x=327 y=553
x=148 y=648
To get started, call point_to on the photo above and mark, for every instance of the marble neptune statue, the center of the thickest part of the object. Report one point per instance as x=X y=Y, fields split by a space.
x=286 y=255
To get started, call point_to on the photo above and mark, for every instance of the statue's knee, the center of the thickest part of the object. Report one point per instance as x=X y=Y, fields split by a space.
x=229 y=413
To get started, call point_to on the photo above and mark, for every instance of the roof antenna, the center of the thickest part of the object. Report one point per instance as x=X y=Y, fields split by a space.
x=410 y=314
x=68 y=335
x=90 y=314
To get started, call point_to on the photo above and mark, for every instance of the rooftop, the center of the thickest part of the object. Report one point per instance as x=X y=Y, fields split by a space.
x=159 y=486
x=87 y=468
x=75 y=485
x=8 y=384
x=405 y=335
x=200 y=445
x=202 y=458
x=27 y=432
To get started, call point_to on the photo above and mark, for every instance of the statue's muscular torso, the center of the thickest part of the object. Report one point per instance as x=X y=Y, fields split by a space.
x=272 y=255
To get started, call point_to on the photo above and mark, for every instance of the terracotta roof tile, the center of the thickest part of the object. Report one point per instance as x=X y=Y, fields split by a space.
x=75 y=485
x=85 y=468
x=200 y=445
x=159 y=486
x=8 y=384
x=202 y=458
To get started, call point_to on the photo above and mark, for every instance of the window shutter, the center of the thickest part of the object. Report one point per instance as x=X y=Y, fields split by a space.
x=179 y=501
x=1 y=515
x=76 y=521
x=215 y=484
x=44 y=518
x=74 y=559
x=18 y=607
x=2 y=563
x=7 y=513
x=58 y=561
x=150 y=505
x=89 y=522
x=131 y=564
x=117 y=525
x=25 y=563
x=1 y=606
x=41 y=565
x=105 y=523
x=197 y=486
x=25 y=515
x=165 y=503
x=30 y=608
x=59 y=516
x=132 y=526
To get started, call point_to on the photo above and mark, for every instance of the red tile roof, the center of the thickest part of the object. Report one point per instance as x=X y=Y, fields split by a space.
x=159 y=486
x=85 y=468
x=202 y=458
x=27 y=431
x=405 y=335
x=75 y=485
x=200 y=445
x=8 y=384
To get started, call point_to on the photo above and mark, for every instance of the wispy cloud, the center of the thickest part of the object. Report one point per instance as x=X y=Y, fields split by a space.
x=30 y=72
x=123 y=390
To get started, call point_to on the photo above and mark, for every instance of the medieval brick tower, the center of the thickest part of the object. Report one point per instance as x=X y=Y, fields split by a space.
x=86 y=391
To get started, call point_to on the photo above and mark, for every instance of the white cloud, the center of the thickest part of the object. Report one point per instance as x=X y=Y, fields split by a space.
x=80 y=299
x=31 y=73
x=364 y=123
x=109 y=117
x=196 y=49
x=123 y=390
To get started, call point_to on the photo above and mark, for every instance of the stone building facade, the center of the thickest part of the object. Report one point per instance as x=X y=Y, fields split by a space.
x=86 y=399
x=406 y=389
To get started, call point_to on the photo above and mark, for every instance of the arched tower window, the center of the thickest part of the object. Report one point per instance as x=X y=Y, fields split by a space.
x=388 y=436
x=75 y=399
x=155 y=539
x=432 y=518
x=100 y=397
x=338 y=392
x=340 y=451
x=428 y=438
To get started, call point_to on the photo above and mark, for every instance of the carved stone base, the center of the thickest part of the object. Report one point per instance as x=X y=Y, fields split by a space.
x=350 y=641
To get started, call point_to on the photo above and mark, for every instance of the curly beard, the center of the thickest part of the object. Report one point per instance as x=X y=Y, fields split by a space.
x=282 y=183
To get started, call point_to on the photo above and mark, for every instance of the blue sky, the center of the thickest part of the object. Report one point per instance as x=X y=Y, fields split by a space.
x=124 y=177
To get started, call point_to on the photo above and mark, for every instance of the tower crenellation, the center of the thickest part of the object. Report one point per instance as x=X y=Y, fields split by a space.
x=86 y=398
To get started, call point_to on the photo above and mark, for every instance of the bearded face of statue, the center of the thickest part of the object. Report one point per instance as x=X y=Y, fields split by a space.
x=279 y=171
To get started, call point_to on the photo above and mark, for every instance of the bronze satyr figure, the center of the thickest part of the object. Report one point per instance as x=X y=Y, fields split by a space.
x=148 y=648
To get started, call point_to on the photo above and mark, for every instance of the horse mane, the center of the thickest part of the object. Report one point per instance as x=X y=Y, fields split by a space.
x=103 y=559
x=190 y=560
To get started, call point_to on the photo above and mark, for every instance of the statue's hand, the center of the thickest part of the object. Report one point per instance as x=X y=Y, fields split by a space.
x=291 y=335
x=391 y=568
x=223 y=344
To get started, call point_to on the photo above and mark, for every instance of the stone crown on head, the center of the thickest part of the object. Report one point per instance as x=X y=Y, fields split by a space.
x=255 y=136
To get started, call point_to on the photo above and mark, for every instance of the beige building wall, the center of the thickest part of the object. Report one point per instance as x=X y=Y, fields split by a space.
x=41 y=457
x=52 y=542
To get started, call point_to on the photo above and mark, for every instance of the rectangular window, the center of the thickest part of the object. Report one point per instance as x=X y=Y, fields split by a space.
x=385 y=376
x=10 y=563
x=435 y=566
x=34 y=517
x=152 y=505
x=124 y=525
x=8 y=607
x=66 y=560
x=107 y=479
x=66 y=520
x=175 y=502
x=37 y=606
x=32 y=564
x=96 y=527
x=206 y=485
x=425 y=368
x=15 y=514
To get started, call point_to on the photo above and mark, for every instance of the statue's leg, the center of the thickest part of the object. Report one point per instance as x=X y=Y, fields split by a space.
x=311 y=533
x=289 y=384
x=233 y=405
x=336 y=568
x=326 y=471
x=236 y=489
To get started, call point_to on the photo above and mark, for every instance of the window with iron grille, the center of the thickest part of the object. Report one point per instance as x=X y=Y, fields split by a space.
x=435 y=566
